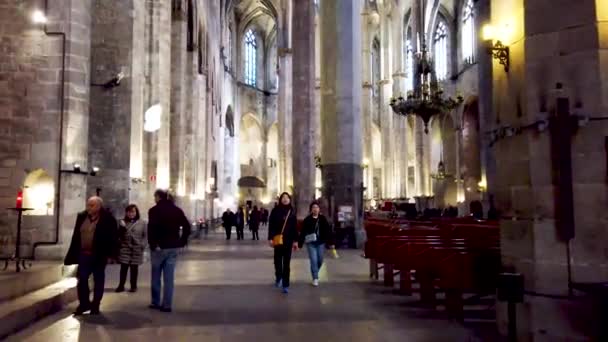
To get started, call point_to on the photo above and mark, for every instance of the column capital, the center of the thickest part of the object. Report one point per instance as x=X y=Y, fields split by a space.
x=399 y=74
x=384 y=82
x=367 y=85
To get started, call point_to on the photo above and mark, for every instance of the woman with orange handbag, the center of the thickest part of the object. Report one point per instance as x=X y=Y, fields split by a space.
x=283 y=237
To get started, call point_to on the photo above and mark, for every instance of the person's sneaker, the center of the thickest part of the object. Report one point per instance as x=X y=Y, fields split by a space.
x=165 y=309
x=278 y=284
x=134 y=289
x=154 y=307
x=95 y=311
x=315 y=282
x=120 y=289
x=285 y=290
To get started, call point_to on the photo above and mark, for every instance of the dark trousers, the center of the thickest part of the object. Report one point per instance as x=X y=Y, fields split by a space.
x=86 y=267
x=255 y=235
x=282 y=261
x=228 y=232
x=240 y=233
x=124 y=268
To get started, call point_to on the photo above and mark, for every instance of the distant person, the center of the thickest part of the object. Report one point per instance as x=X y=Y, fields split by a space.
x=476 y=209
x=131 y=245
x=283 y=237
x=240 y=224
x=316 y=234
x=93 y=243
x=264 y=217
x=203 y=228
x=168 y=231
x=254 y=223
x=228 y=219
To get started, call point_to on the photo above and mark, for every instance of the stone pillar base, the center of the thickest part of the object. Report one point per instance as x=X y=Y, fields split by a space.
x=342 y=186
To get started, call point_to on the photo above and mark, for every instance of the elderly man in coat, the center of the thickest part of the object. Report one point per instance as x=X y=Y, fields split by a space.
x=93 y=243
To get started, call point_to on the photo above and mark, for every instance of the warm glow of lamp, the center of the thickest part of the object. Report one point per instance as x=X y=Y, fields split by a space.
x=460 y=197
x=483 y=185
x=38 y=17
x=152 y=118
x=265 y=200
x=488 y=32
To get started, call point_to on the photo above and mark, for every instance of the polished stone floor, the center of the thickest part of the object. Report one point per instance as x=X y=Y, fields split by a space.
x=224 y=293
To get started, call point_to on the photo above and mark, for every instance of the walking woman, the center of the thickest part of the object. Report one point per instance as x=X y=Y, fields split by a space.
x=316 y=234
x=254 y=222
x=283 y=237
x=131 y=243
x=240 y=224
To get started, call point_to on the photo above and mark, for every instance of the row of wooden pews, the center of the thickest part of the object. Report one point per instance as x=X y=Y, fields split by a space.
x=454 y=256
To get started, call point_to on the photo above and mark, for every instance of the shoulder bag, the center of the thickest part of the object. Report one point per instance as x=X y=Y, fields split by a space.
x=312 y=237
x=277 y=240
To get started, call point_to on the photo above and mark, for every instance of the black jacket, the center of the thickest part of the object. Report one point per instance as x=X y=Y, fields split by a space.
x=239 y=219
x=228 y=219
x=324 y=232
x=275 y=225
x=164 y=222
x=254 y=220
x=105 y=240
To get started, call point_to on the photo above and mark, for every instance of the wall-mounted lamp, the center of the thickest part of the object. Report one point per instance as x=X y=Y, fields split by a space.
x=38 y=17
x=77 y=170
x=496 y=49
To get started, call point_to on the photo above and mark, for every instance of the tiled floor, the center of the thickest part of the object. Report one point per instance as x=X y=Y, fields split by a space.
x=224 y=293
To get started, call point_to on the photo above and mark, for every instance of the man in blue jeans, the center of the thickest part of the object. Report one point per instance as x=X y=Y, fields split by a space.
x=168 y=231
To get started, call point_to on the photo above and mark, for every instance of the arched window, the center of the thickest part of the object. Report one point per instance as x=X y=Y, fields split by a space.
x=251 y=48
x=468 y=32
x=409 y=62
x=440 y=42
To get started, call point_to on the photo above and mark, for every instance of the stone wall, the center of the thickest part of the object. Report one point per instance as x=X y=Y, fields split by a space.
x=30 y=92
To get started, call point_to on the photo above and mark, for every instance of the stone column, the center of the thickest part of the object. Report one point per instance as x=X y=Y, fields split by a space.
x=285 y=98
x=367 y=102
x=110 y=122
x=303 y=148
x=341 y=106
x=164 y=156
x=179 y=123
x=138 y=82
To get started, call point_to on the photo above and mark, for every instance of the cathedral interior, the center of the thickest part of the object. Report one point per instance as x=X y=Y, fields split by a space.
x=495 y=109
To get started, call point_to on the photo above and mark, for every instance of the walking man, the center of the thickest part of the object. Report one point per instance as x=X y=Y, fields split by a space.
x=93 y=243
x=228 y=220
x=168 y=231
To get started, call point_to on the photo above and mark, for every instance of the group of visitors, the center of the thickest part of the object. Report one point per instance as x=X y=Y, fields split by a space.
x=98 y=238
x=253 y=219
x=284 y=237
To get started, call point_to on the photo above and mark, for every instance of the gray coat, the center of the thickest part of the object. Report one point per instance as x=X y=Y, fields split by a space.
x=131 y=242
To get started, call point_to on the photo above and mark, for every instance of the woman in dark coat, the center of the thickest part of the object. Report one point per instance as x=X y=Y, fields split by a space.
x=283 y=222
x=316 y=234
x=131 y=244
x=254 y=223
x=240 y=224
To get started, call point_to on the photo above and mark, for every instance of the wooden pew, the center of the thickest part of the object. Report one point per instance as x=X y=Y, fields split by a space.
x=456 y=258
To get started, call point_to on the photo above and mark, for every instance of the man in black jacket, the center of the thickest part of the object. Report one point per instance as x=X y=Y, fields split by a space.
x=93 y=242
x=168 y=231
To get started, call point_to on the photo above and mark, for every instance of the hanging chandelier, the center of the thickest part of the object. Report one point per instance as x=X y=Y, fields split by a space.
x=427 y=99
